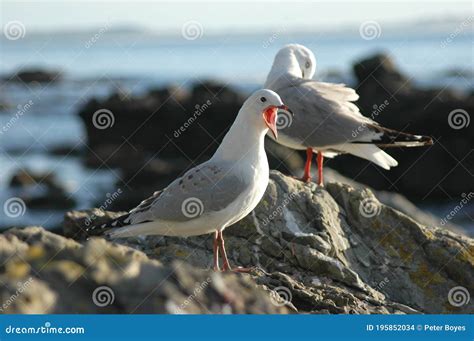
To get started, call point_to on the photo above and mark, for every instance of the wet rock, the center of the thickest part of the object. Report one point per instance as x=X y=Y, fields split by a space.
x=41 y=190
x=335 y=249
x=35 y=76
x=46 y=273
x=393 y=99
x=400 y=203
x=26 y=178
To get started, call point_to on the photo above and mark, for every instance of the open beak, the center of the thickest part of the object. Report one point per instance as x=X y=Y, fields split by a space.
x=270 y=117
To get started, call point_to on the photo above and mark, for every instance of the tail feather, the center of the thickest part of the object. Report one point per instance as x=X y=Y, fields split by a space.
x=393 y=138
x=144 y=228
x=369 y=152
x=112 y=227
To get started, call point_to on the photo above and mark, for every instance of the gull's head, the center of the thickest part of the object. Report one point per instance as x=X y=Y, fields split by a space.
x=262 y=107
x=299 y=59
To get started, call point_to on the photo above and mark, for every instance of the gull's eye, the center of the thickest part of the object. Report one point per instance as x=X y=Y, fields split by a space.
x=263 y=99
x=307 y=65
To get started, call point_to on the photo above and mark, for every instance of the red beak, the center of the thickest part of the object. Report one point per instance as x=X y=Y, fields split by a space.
x=270 y=117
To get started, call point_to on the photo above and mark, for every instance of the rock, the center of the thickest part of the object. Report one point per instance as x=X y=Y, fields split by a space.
x=398 y=202
x=35 y=76
x=46 y=273
x=389 y=97
x=41 y=190
x=381 y=67
x=335 y=249
x=26 y=178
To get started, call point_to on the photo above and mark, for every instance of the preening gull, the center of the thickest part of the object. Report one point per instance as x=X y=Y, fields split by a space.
x=326 y=121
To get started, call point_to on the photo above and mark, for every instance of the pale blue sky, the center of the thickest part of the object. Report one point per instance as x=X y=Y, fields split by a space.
x=222 y=15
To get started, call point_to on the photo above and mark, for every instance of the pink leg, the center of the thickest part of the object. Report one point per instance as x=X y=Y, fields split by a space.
x=226 y=265
x=320 y=168
x=307 y=166
x=216 y=251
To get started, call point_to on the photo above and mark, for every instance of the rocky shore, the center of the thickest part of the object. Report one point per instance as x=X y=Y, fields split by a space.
x=333 y=249
x=165 y=131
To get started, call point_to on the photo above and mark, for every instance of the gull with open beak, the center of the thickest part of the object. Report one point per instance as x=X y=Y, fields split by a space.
x=216 y=193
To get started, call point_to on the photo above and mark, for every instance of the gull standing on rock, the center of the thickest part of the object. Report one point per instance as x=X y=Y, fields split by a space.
x=216 y=193
x=326 y=121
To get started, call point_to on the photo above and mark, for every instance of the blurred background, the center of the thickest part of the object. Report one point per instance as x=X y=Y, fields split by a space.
x=102 y=103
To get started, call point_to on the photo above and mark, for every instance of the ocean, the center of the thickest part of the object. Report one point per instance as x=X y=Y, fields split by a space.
x=96 y=64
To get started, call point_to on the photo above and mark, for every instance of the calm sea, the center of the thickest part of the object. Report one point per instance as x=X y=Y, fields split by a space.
x=99 y=63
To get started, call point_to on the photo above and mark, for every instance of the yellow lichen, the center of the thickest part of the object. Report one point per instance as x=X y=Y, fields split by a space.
x=70 y=269
x=35 y=252
x=17 y=269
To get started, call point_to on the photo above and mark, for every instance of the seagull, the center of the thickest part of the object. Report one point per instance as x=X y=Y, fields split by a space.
x=216 y=193
x=326 y=121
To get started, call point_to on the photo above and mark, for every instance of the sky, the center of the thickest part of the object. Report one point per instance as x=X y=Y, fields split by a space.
x=221 y=15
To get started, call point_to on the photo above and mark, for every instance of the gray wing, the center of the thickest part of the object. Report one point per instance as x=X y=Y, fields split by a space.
x=324 y=114
x=206 y=188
